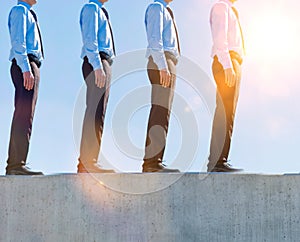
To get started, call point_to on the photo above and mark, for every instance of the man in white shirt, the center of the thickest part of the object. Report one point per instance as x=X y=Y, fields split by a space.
x=227 y=52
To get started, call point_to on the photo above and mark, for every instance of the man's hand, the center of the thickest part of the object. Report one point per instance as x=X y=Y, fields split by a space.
x=230 y=77
x=28 y=80
x=165 y=78
x=100 y=78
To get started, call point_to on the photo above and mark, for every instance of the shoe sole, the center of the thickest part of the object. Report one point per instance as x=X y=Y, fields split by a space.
x=23 y=174
x=95 y=172
x=160 y=171
x=223 y=170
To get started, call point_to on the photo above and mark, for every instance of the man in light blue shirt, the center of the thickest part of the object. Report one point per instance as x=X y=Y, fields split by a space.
x=163 y=52
x=26 y=56
x=98 y=52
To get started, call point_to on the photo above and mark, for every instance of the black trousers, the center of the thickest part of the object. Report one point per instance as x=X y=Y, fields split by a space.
x=161 y=104
x=226 y=102
x=96 y=103
x=21 y=127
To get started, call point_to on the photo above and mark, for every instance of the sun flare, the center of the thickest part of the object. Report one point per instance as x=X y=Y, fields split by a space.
x=272 y=36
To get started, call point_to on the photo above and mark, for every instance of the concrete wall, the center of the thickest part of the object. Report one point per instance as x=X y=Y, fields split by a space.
x=150 y=207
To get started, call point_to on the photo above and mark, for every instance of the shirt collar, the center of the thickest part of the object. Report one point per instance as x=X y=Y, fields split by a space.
x=163 y=2
x=24 y=4
x=97 y=2
x=228 y=2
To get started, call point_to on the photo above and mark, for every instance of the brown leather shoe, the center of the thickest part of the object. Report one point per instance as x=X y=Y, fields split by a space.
x=223 y=167
x=23 y=170
x=92 y=168
x=158 y=167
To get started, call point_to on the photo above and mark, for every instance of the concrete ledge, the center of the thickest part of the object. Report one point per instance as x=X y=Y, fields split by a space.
x=150 y=207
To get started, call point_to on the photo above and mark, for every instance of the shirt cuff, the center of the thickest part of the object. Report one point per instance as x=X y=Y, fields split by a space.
x=160 y=61
x=96 y=63
x=225 y=60
x=24 y=65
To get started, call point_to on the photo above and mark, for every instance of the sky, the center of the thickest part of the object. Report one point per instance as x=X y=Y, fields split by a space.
x=266 y=132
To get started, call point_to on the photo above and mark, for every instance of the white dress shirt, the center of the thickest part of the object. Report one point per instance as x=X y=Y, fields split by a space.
x=226 y=32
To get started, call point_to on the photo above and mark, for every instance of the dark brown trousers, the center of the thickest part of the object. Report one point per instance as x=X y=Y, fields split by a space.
x=96 y=103
x=21 y=127
x=226 y=102
x=161 y=104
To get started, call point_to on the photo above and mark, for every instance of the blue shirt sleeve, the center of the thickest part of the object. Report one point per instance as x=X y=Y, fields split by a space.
x=89 y=28
x=154 y=27
x=17 y=28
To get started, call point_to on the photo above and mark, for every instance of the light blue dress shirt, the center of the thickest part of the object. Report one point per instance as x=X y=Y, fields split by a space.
x=96 y=35
x=161 y=33
x=24 y=35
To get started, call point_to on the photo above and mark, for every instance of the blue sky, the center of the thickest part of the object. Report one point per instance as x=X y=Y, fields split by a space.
x=266 y=129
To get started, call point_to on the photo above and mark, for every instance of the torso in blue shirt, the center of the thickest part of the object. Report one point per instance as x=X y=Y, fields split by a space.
x=96 y=35
x=24 y=35
x=161 y=33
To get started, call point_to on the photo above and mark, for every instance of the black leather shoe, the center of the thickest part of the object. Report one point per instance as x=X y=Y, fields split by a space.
x=92 y=168
x=223 y=167
x=23 y=170
x=159 y=167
